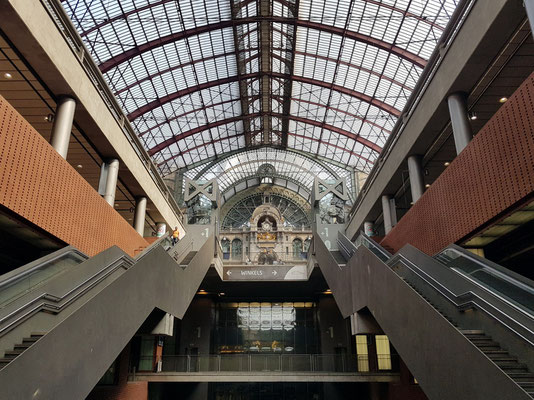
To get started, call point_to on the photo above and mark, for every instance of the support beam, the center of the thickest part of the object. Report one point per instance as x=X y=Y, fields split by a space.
x=461 y=128
x=140 y=214
x=62 y=127
x=417 y=183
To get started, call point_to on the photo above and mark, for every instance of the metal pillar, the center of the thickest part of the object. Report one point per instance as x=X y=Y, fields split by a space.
x=461 y=128
x=139 y=216
x=417 y=183
x=388 y=211
x=62 y=127
x=161 y=228
x=529 y=8
x=369 y=228
x=111 y=173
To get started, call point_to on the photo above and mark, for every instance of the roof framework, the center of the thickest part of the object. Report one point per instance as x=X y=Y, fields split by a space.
x=205 y=80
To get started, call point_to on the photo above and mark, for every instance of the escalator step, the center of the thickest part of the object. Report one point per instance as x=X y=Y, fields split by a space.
x=472 y=332
x=522 y=377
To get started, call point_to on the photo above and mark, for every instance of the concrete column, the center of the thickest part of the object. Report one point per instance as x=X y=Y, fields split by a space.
x=368 y=228
x=62 y=127
x=529 y=7
x=417 y=183
x=461 y=127
x=139 y=216
x=111 y=175
x=388 y=210
x=161 y=229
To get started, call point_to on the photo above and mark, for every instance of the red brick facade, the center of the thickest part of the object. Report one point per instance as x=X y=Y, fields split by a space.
x=39 y=185
x=492 y=176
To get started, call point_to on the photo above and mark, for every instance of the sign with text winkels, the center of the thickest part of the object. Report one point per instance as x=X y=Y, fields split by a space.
x=265 y=273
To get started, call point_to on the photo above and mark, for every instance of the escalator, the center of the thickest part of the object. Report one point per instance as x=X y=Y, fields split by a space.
x=65 y=318
x=463 y=326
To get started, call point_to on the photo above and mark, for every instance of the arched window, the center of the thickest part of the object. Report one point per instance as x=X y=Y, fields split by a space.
x=225 y=244
x=237 y=249
x=297 y=248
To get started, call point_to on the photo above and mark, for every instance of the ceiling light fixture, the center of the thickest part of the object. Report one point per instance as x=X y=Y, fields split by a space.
x=7 y=75
x=446 y=163
x=427 y=185
x=503 y=99
x=79 y=166
x=472 y=116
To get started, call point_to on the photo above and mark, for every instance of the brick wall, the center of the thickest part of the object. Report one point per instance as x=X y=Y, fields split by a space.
x=39 y=185
x=492 y=176
x=123 y=390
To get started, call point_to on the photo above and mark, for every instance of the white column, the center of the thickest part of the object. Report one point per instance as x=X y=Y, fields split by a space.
x=62 y=127
x=140 y=214
x=108 y=181
x=461 y=128
x=368 y=228
x=415 y=170
x=388 y=211
x=161 y=228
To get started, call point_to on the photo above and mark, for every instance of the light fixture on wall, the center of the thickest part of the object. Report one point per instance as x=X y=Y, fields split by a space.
x=503 y=99
x=7 y=75
x=472 y=116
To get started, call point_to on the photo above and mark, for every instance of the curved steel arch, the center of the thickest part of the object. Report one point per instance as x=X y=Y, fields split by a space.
x=247 y=196
x=317 y=159
x=161 y=2
x=361 y=96
x=215 y=124
x=276 y=176
x=213 y=57
x=128 y=54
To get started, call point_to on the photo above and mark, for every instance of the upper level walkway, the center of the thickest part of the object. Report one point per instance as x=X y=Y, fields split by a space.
x=270 y=368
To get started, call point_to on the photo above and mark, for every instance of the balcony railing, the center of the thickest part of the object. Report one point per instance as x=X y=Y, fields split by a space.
x=257 y=363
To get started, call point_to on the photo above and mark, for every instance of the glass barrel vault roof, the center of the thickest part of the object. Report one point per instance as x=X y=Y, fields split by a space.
x=203 y=79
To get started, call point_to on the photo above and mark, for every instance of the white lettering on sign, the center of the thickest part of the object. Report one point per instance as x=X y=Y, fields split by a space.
x=256 y=273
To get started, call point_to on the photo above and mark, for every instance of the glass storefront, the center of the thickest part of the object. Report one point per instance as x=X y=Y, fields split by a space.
x=266 y=327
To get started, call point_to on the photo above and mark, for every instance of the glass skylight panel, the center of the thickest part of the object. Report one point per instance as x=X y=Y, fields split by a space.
x=167 y=67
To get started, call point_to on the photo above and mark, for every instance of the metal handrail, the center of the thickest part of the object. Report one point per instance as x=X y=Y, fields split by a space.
x=27 y=269
x=465 y=300
x=268 y=363
x=72 y=37
x=55 y=304
x=433 y=63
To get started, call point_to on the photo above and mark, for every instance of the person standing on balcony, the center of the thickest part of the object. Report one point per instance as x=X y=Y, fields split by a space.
x=175 y=236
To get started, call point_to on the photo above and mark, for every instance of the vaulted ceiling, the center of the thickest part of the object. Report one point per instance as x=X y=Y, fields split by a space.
x=202 y=80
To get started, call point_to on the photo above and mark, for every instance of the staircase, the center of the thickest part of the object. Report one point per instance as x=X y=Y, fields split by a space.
x=518 y=372
x=18 y=349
